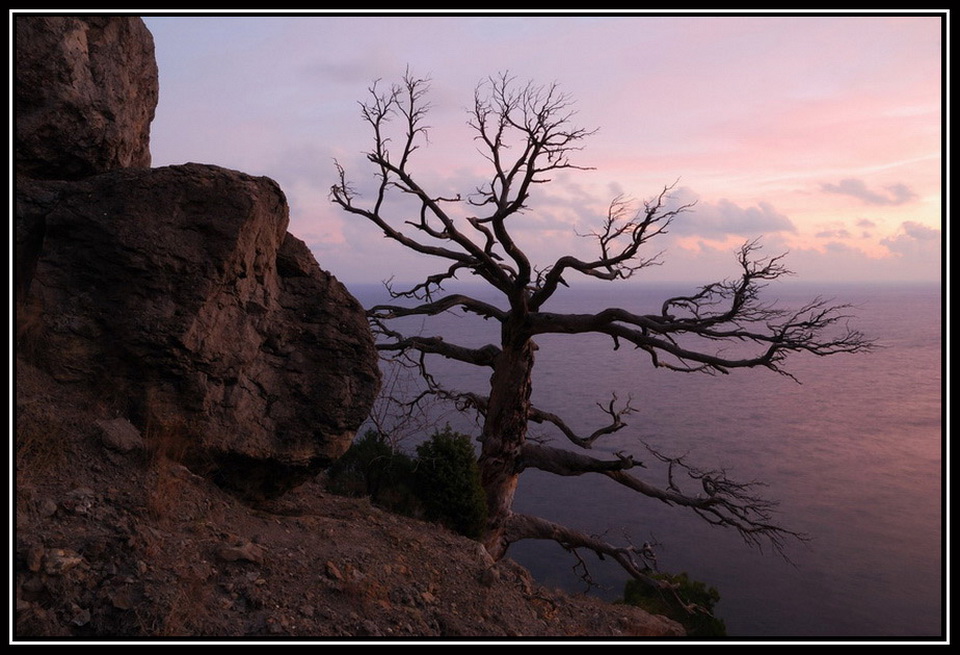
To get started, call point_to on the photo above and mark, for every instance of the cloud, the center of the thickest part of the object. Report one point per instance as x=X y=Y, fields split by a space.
x=723 y=218
x=842 y=262
x=840 y=233
x=894 y=194
x=915 y=250
x=866 y=226
x=920 y=231
x=914 y=239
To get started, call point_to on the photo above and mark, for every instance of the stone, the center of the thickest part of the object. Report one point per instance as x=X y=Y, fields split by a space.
x=120 y=434
x=247 y=551
x=333 y=572
x=85 y=94
x=177 y=295
x=124 y=598
x=35 y=558
x=80 y=501
x=57 y=561
x=78 y=616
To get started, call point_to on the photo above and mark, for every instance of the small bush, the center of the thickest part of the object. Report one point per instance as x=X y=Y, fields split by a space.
x=448 y=483
x=699 y=623
x=442 y=484
x=371 y=467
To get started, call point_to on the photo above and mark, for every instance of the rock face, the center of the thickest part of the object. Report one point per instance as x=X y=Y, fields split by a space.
x=86 y=91
x=174 y=295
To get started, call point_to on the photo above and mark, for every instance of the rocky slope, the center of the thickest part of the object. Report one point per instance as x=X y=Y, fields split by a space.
x=114 y=539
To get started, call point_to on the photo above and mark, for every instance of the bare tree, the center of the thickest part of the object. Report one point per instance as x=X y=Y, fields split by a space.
x=525 y=133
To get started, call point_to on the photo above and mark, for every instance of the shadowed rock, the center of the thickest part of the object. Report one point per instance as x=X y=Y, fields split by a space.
x=174 y=295
x=85 y=94
x=178 y=294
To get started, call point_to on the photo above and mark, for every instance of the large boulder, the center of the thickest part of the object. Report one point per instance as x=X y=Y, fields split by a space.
x=85 y=93
x=178 y=297
x=173 y=296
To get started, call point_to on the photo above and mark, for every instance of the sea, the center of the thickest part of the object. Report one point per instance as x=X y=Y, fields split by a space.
x=852 y=450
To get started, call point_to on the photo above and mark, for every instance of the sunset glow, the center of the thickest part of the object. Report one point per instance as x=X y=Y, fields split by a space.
x=822 y=134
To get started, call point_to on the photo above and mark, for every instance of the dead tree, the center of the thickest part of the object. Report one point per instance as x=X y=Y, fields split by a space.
x=525 y=133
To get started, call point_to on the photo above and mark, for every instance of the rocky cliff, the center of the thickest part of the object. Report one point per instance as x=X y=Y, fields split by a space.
x=184 y=368
x=175 y=295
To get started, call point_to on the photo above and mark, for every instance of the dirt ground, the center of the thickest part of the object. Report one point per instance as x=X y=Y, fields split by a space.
x=116 y=543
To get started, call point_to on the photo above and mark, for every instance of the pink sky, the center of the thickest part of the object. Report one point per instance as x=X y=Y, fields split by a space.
x=822 y=134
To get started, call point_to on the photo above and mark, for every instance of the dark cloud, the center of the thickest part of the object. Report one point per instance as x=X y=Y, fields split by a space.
x=892 y=194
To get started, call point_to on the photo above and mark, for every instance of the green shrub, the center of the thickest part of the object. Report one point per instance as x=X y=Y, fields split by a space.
x=372 y=467
x=442 y=484
x=699 y=623
x=448 y=483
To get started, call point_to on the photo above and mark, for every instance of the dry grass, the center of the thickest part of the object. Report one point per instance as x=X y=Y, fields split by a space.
x=182 y=610
x=41 y=440
x=167 y=445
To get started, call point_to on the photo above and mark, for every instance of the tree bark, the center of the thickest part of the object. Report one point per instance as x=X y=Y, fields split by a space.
x=504 y=433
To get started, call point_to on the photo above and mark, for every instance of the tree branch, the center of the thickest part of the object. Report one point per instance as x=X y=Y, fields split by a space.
x=569 y=463
x=522 y=526
x=407 y=102
x=623 y=234
x=616 y=422
x=724 y=502
x=538 y=117
x=485 y=356
x=638 y=562
x=468 y=304
x=726 y=312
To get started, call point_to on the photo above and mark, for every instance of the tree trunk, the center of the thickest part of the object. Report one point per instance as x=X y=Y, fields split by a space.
x=504 y=433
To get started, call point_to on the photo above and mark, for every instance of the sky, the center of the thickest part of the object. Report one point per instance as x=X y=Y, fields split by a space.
x=822 y=135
